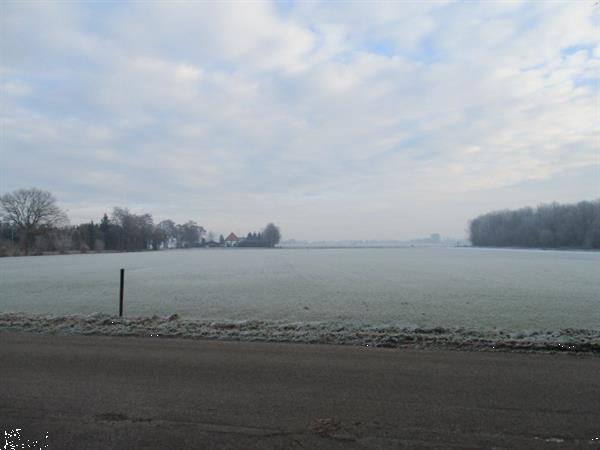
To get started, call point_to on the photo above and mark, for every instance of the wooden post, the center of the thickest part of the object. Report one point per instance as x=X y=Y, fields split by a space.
x=121 y=293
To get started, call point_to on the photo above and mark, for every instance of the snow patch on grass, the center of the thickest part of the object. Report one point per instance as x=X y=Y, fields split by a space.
x=385 y=335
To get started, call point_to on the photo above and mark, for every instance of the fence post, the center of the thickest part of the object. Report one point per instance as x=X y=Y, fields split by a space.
x=121 y=293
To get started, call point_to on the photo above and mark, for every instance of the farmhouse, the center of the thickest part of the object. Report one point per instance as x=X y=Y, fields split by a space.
x=231 y=240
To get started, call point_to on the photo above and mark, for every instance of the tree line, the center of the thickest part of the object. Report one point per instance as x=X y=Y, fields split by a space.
x=32 y=223
x=547 y=226
x=269 y=237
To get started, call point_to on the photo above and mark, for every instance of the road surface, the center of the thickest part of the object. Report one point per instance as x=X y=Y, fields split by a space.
x=85 y=392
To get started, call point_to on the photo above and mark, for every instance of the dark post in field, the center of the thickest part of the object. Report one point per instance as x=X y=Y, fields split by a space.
x=121 y=293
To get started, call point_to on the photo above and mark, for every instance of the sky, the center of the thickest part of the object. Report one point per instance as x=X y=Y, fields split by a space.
x=335 y=120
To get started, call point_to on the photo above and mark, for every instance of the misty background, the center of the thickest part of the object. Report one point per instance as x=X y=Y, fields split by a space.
x=334 y=120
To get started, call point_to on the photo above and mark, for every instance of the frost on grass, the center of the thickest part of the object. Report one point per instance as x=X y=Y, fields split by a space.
x=569 y=339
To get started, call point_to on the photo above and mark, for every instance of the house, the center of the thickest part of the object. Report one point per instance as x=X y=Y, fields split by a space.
x=169 y=243
x=231 y=240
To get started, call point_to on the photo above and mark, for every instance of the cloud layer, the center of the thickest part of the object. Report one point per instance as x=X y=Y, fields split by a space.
x=335 y=120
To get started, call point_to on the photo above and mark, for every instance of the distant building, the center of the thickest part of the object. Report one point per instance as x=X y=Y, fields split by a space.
x=231 y=240
x=170 y=243
x=436 y=238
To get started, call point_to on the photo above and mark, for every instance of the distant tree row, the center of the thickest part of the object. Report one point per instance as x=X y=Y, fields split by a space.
x=547 y=226
x=125 y=231
x=32 y=223
x=269 y=237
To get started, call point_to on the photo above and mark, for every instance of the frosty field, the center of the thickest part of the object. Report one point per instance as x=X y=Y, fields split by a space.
x=478 y=289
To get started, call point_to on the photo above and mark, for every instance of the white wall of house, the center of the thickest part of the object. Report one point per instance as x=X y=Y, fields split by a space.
x=170 y=243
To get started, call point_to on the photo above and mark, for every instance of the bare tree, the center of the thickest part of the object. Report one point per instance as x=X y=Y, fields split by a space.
x=159 y=238
x=135 y=230
x=553 y=225
x=190 y=233
x=31 y=211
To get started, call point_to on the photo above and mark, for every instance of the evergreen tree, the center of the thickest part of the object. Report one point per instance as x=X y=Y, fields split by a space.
x=104 y=223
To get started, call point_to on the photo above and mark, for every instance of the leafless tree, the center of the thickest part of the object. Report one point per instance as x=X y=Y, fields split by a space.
x=159 y=238
x=31 y=211
x=135 y=230
x=190 y=233
x=549 y=226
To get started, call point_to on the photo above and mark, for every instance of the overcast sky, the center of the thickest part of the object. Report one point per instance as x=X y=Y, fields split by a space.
x=335 y=120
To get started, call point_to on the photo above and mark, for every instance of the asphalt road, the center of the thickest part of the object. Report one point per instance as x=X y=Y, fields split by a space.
x=131 y=393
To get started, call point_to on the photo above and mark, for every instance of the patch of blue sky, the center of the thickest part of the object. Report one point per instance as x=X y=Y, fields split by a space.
x=413 y=142
x=592 y=83
x=428 y=52
x=565 y=53
x=285 y=90
x=589 y=48
x=54 y=95
x=346 y=57
x=525 y=19
x=382 y=47
x=284 y=7
x=536 y=66
x=425 y=52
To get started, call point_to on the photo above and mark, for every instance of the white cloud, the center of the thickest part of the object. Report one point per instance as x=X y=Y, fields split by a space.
x=244 y=112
